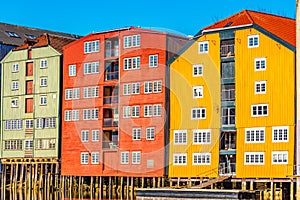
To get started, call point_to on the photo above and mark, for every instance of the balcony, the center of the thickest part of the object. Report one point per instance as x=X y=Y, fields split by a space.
x=110 y=140
x=225 y=169
x=228 y=92
x=111 y=70
x=110 y=100
x=111 y=47
x=110 y=117
x=227 y=48
x=228 y=140
x=111 y=52
x=110 y=122
x=109 y=76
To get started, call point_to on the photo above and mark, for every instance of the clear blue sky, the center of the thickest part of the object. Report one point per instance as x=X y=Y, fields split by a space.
x=83 y=17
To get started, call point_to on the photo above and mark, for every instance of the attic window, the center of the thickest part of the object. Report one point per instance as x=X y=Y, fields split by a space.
x=12 y=34
x=30 y=36
x=228 y=24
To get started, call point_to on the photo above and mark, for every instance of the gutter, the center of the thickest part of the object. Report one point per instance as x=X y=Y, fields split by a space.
x=226 y=28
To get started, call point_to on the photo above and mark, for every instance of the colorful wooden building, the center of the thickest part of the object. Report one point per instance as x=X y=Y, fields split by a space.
x=232 y=105
x=31 y=106
x=114 y=100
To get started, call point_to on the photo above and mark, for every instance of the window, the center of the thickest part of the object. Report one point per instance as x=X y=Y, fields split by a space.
x=179 y=159
x=157 y=110
x=43 y=81
x=201 y=158
x=254 y=158
x=91 y=92
x=132 y=41
x=254 y=135
x=45 y=122
x=43 y=64
x=150 y=133
x=125 y=157
x=136 y=157
x=95 y=91
x=253 y=41
x=45 y=144
x=280 y=134
x=132 y=63
x=157 y=86
x=72 y=70
x=135 y=88
x=15 y=103
x=136 y=134
x=148 y=111
x=148 y=87
x=126 y=111
x=260 y=64
x=30 y=36
x=43 y=100
x=68 y=115
x=180 y=136
x=86 y=114
x=279 y=157
x=15 y=85
x=95 y=135
x=29 y=123
x=203 y=47
x=228 y=116
x=260 y=87
x=12 y=34
x=92 y=46
x=198 y=91
x=202 y=136
x=126 y=89
x=75 y=115
x=153 y=60
x=84 y=136
x=135 y=111
x=85 y=158
x=72 y=93
x=197 y=70
x=15 y=67
x=13 y=145
x=198 y=113
x=28 y=144
x=91 y=68
x=95 y=113
x=95 y=157
x=14 y=124
x=259 y=110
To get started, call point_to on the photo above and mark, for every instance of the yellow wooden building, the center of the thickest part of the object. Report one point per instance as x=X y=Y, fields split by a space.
x=232 y=101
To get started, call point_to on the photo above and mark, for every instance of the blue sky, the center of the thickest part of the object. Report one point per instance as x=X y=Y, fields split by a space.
x=83 y=17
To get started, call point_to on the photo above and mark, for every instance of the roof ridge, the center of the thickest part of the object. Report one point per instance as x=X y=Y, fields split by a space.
x=249 y=16
x=270 y=14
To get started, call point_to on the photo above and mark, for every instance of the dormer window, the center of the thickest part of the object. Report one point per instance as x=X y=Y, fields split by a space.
x=30 y=36
x=12 y=34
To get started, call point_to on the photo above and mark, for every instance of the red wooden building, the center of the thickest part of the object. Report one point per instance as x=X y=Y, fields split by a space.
x=114 y=100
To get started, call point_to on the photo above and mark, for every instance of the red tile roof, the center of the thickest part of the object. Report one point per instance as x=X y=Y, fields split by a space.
x=282 y=27
x=57 y=42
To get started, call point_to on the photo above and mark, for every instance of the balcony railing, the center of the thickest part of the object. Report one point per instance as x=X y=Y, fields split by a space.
x=113 y=145
x=228 y=95
x=110 y=122
x=110 y=100
x=111 y=76
x=224 y=169
x=227 y=50
x=111 y=52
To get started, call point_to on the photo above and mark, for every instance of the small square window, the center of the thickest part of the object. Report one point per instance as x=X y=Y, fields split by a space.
x=14 y=103
x=15 y=67
x=43 y=82
x=197 y=70
x=203 y=47
x=43 y=101
x=253 y=41
x=44 y=64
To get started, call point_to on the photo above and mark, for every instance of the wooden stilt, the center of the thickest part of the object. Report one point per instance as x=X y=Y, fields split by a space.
x=131 y=188
x=100 y=187
x=163 y=182
x=143 y=182
x=109 y=187
x=92 y=187
x=154 y=183
x=127 y=187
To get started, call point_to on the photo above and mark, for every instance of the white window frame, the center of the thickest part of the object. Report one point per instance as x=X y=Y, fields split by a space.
x=198 y=92
x=253 y=37
x=132 y=41
x=179 y=159
x=43 y=100
x=132 y=63
x=148 y=110
x=72 y=70
x=43 y=82
x=153 y=60
x=28 y=144
x=29 y=123
x=84 y=135
x=201 y=136
x=180 y=137
x=196 y=69
x=255 y=135
x=203 y=157
x=15 y=67
x=150 y=133
x=257 y=107
x=126 y=89
x=124 y=157
x=91 y=68
x=68 y=115
x=126 y=112
x=92 y=46
x=136 y=157
x=203 y=47
x=136 y=133
x=43 y=64
x=94 y=114
x=254 y=154
x=280 y=137
x=75 y=115
x=86 y=114
x=95 y=158
x=148 y=87
x=260 y=64
x=135 y=88
x=157 y=110
x=14 y=85
x=15 y=103
x=157 y=86
x=135 y=111
x=280 y=155
x=84 y=158
x=260 y=87
x=95 y=135
x=196 y=117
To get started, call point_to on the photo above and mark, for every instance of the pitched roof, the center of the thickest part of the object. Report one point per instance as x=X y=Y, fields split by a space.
x=282 y=27
x=15 y=35
x=57 y=42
